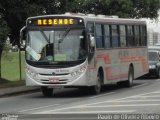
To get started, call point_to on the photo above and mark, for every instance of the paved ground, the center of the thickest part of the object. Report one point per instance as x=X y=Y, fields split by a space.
x=143 y=97
x=16 y=90
x=140 y=101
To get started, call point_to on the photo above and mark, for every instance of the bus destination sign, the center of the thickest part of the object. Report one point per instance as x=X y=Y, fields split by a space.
x=54 y=21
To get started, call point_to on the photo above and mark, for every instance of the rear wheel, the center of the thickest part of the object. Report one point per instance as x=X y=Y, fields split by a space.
x=47 y=92
x=129 y=82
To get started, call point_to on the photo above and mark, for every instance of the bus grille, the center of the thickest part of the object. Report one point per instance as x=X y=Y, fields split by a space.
x=61 y=81
x=54 y=74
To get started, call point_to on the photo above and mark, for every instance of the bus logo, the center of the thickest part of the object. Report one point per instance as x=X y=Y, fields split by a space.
x=53 y=73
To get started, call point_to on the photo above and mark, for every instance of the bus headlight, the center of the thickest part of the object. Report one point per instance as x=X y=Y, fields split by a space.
x=79 y=72
x=31 y=73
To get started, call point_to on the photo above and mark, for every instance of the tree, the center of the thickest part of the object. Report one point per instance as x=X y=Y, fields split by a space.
x=3 y=36
x=16 y=12
x=121 y=8
x=145 y=8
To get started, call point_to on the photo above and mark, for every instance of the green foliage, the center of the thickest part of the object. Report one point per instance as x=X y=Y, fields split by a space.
x=15 y=13
x=145 y=8
x=122 y=8
x=3 y=34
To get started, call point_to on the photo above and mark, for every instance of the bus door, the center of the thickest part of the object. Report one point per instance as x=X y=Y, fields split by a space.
x=91 y=54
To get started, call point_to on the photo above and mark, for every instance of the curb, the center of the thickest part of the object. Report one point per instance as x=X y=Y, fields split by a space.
x=17 y=90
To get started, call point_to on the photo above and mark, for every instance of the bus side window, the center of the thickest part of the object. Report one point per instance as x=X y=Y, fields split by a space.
x=99 y=43
x=122 y=31
x=143 y=36
x=136 y=35
x=107 y=37
x=115 y=36
x=130 y=38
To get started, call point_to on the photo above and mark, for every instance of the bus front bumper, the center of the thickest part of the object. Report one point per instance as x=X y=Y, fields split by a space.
x=58 y=81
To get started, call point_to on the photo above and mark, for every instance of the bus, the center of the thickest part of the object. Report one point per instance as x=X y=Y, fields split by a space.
x=83 y=51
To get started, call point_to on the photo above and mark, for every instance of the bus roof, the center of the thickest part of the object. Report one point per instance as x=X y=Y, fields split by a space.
x=96 y=18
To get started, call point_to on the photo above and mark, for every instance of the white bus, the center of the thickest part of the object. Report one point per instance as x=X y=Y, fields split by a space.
x=84 y=51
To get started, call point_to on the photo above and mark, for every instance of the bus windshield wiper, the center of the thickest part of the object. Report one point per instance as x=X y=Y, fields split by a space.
x=64 y=35
x=44 y=35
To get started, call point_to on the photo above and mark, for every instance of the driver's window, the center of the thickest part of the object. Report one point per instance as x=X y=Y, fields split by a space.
x=90 y=28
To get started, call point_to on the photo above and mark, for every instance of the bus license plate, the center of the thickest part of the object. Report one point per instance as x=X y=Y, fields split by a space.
x=53 y=80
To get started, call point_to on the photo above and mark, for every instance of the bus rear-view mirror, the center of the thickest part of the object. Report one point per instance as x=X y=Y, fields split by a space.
x=92 y=41
x=22 y=38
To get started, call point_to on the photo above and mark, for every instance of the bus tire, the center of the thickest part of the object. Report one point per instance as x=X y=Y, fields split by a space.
x=96 y=89
x=158 y=73
x=129 y=82
x=47 y=92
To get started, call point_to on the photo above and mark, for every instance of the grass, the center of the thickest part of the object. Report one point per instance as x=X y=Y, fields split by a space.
x=10 y=66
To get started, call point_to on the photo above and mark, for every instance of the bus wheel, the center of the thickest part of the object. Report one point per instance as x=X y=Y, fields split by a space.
x=129 y=82
x=48 y=92
x=97 y=88
x=158 y=73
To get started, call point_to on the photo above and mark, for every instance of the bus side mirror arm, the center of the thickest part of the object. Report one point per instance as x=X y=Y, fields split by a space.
x=21 y=36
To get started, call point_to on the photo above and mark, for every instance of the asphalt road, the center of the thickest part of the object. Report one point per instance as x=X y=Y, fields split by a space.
x=142 y=98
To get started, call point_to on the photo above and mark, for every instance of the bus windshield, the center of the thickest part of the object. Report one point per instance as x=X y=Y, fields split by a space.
x=56 y=45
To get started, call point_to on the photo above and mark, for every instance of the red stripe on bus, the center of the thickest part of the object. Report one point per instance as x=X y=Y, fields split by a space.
x=128 y=48
x=129 y=59
x=144 y=63
x=106 y=58
x=119 y=76
x=110 y=76
x=141 y=59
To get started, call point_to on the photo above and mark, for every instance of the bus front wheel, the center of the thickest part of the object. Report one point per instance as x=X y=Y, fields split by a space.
x=47 y=92
x=97 y=88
